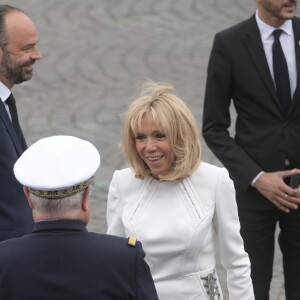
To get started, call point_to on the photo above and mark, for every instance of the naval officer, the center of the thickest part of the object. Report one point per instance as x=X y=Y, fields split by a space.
x=60 y=259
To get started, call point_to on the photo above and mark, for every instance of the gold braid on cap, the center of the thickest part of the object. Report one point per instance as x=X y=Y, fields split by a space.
x=67 y=192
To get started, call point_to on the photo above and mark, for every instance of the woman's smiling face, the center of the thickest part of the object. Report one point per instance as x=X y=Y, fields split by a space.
x=154 y=147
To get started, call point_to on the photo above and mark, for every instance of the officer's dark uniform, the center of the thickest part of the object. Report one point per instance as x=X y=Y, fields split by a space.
x=61 y=260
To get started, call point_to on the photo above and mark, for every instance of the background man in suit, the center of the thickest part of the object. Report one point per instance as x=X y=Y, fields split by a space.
x=265 y=151
x=18 y=52
x=60 y=259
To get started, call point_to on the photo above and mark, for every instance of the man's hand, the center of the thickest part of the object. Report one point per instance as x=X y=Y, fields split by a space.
x=272 y=186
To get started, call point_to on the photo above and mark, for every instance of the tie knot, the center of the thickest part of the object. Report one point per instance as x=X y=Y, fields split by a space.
x=277 y=33
x=10 y=100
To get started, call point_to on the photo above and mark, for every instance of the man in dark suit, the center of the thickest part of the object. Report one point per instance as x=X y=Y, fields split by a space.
x=60 y=259
x=265 y=150
x=18 y=52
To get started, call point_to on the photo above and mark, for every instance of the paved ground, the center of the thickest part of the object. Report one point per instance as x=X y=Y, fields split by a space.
x=96 y=55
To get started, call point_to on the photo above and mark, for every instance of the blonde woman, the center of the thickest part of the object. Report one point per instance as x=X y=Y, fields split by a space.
x=182 y=209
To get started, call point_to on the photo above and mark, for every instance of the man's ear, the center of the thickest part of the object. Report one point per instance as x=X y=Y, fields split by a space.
x=1 y=54
x=26 y=192
x=86 y=199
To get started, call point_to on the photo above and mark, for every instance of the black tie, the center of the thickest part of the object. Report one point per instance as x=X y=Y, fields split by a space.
x=11 y=102
x=281 y=74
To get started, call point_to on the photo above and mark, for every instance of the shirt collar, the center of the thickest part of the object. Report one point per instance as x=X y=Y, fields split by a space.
x=4 y=91
x=266 y=30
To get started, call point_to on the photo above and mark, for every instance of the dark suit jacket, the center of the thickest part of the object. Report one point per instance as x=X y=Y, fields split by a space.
x=15 y=214
x=61 y=260
x=238 y=70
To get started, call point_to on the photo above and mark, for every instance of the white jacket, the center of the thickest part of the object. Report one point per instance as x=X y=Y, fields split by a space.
x=182 y=226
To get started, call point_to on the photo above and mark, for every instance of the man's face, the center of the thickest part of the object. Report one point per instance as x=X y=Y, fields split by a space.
x=21 y=52
x=16 y=70
x=275 y=12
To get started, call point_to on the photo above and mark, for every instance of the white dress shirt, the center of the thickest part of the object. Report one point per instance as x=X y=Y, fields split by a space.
x=287 y=42
x=4 y=94
x=288 y=46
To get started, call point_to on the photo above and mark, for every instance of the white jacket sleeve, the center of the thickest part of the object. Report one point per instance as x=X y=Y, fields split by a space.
x=114 y=208
x=231 y=247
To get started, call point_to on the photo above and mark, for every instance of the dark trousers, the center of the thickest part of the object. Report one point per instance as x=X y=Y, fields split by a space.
x=258 y=232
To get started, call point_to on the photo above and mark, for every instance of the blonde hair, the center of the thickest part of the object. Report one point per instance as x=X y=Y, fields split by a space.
x=178 y=123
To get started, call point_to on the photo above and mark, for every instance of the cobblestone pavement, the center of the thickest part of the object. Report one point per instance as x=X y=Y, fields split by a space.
x=96 y=55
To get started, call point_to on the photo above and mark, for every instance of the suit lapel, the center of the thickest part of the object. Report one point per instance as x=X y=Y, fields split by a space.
x=5 y=118
x=257 y=53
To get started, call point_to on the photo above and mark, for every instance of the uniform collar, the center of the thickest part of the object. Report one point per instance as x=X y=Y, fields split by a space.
x=59 y=225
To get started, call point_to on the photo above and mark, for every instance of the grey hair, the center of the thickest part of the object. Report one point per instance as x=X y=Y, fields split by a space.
x=67 y=207
x=4 y=10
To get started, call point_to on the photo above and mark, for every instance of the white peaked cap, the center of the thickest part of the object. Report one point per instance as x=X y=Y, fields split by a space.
x=57 y=166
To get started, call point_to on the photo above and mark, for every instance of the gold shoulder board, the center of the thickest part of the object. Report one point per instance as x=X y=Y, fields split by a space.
x=132 y=241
